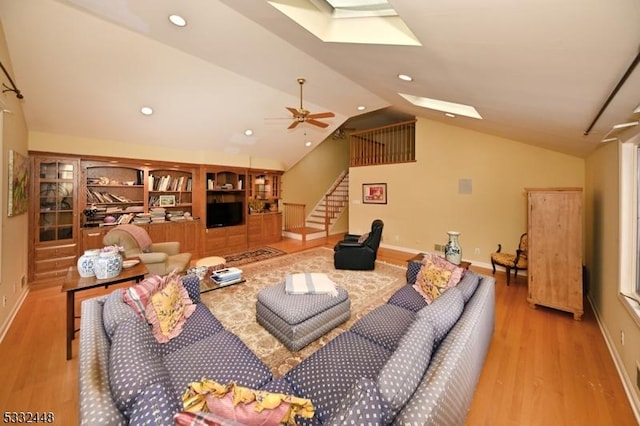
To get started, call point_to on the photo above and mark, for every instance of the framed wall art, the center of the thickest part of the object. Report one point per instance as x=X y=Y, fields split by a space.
x=18 y=197
x=374 y=193
x=167 y=200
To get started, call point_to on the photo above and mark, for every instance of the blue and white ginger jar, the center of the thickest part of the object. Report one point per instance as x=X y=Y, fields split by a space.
x=107 y=265
x=85 y=263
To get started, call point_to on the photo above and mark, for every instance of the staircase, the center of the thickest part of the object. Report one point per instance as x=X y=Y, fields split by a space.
x=328 y=210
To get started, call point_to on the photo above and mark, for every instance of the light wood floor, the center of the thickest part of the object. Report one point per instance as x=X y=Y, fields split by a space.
x=543 y=368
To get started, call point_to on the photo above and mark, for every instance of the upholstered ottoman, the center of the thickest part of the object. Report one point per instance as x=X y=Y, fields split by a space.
x=297 y=320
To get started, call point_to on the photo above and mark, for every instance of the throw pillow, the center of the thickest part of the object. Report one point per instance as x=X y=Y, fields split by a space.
x=169 y=308
x=186 y=418
x=436 y=276
x=245 y=405
x=137 y=296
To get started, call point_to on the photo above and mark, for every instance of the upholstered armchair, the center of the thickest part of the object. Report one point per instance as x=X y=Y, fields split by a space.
x=517 y=261
x=359 y=252
x=159 y=258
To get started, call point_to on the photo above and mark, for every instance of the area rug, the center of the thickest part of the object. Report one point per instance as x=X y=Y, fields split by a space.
x=253 y=255
x=235 y=306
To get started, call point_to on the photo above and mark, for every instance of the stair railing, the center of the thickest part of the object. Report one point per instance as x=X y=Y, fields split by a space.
x=334 y=202
x=294 y=218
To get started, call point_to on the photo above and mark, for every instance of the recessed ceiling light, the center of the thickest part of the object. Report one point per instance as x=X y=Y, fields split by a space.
x=448 y=114
x=405 y=77
x=146 y=110
x=248 y=132
x=308 y=143
x=444 y=106
x=361 y=108
x=178 y=20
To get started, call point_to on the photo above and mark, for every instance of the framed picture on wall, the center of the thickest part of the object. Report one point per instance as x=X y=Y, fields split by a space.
x=374 y=193
x=18 y=197
x=167 y=200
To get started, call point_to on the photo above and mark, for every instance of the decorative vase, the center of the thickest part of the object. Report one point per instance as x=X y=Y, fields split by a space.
x=452 y=251
x=86 y=261
x=107 y=265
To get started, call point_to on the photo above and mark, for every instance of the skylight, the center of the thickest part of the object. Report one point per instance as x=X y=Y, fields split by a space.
x=375 y=21
x=444 y=106
x=361 y=8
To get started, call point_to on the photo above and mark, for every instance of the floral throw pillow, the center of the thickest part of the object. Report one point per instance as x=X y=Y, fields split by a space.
x=244 y=405
x=169 y=308
x=436 y=276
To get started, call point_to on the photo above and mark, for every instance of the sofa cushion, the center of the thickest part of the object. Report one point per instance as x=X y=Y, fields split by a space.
x=402 y=373
x=328 y=375
x=408 y=298
x=156 y=405
x=385 y=325
x=201 y=323
x=413 y=268
x=222 y=357
x=114 y=312
x=443 y=312
x=134 y=364
x=468 y=285
x=362 y=406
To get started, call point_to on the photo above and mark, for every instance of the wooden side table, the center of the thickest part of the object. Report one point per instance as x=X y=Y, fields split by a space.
x=418 y=258
x=73 y=283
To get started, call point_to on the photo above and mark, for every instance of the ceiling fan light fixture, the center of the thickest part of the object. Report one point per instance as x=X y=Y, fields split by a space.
x=178 y=20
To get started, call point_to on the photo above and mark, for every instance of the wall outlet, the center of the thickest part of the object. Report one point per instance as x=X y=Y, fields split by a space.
x=438 y=247
x=622 y=337
x=476 y=250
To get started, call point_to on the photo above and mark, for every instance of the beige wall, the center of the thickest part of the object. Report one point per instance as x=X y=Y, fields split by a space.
x=15 y=233
x=49 y=142
x=308 y=180
x=423 y=199
x=602 y=259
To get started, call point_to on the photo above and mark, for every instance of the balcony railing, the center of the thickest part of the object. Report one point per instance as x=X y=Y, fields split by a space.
x=395 y=143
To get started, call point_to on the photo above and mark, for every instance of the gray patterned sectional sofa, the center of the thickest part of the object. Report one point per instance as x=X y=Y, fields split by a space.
x=403 y=363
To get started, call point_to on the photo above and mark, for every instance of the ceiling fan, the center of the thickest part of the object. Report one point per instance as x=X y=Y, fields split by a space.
x=302 y=115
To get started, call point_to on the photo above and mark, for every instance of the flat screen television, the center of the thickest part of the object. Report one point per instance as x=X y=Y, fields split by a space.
x=224 y=214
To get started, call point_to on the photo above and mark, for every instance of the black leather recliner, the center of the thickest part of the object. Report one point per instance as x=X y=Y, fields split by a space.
x=359 y=252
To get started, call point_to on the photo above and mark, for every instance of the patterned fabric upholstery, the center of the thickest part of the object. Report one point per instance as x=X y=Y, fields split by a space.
x=408 y=298
x=376 y=325
x=403 y=371
x=468 y=285
x=115 y=311
x=96 y=404
x=443 y=312
x=445 y=393
x=202 y=323
x=413 y=268
x=363 y=406
x=222 y=357
x=328 y=375
x=134 y=364
x=192 y=284
x=156 y=405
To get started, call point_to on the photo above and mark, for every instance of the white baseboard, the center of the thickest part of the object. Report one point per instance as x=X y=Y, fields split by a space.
x=12 y=315
x=627 y=382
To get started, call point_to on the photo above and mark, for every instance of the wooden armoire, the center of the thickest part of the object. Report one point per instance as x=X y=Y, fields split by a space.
x=555 y=248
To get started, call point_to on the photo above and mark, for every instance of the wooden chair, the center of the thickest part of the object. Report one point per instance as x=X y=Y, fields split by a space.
x=517 y=261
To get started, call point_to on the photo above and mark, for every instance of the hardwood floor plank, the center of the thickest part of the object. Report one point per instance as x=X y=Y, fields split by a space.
x=542 y=368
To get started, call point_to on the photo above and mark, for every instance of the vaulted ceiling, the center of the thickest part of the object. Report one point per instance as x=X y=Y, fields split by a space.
x=537 y=71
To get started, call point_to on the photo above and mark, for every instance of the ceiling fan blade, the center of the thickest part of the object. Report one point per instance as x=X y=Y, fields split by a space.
x=294 y=124
x=321 y=115
x=293 y=111
x=316 y=123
